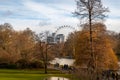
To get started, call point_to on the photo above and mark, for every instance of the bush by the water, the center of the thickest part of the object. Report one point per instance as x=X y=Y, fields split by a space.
x=36 y=64
x=8 y=66
x=21 y=64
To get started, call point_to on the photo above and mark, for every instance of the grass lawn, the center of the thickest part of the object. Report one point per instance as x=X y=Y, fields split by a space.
x=6 y=74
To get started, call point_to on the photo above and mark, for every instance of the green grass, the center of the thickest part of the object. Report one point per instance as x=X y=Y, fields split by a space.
x=6 y=74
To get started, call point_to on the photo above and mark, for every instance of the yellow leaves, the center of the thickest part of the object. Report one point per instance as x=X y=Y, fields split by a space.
x=102 y=48
x=113 y=61
x=14 y=43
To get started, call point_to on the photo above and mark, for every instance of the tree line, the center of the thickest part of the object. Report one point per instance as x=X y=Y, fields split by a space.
x=93 y=47
x=26 y=49
x=17 y=45
x=18 y=48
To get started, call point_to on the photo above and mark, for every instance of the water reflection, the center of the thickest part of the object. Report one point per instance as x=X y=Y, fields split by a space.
x=57 y=78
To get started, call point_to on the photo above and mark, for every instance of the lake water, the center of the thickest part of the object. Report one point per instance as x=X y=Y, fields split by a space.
x=63 y=61
x=57 y=78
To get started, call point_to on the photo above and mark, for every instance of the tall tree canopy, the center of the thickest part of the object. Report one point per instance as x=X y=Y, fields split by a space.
x=90 y=11
x=104 y=55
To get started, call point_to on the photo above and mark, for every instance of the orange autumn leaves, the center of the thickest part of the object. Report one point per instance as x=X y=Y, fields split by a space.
x=104 y=55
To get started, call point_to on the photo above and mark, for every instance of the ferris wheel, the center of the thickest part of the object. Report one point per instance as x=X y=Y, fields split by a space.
x=59 y=35
x=64 y=27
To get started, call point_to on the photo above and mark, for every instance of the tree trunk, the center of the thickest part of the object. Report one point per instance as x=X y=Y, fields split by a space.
x=46 y=60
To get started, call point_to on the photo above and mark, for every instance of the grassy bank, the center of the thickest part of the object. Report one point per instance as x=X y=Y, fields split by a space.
x=6 y=74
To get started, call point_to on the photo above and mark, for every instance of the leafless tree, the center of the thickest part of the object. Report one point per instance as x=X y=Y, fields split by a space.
x=44 y=47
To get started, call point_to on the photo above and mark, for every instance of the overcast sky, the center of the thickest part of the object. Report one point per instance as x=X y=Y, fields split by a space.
x=40 y=15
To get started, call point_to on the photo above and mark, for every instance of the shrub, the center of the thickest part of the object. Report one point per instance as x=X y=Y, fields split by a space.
x=22 y=64
x=4 y=63
x=11 y=66
x=36 y=64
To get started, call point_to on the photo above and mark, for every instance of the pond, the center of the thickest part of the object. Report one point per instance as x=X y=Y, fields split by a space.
x=57 y=78
x=63 y=61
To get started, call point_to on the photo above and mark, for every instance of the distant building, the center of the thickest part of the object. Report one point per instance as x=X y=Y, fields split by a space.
x=59 y=38
x=50 y=39
x=55 y=38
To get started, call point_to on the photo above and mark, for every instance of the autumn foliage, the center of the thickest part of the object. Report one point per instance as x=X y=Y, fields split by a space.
x=104 y=55
x=18 y=47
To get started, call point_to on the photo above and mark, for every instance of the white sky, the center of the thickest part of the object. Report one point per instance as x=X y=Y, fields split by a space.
x=40 y=15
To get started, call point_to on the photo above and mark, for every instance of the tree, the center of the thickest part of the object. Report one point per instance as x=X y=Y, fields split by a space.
x=117 y=38
x=18 y=47
x=21 y=47
x=105 y=58
x=91 y=11
x=44 y=48
x=6 y=35
x=69 y=47
x=26 y=41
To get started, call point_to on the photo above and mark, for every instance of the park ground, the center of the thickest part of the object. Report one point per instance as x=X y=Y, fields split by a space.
x=28 y=74
x=6 y=74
